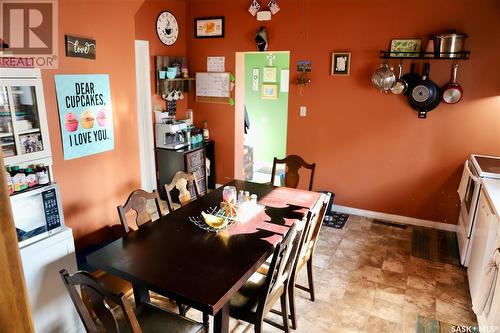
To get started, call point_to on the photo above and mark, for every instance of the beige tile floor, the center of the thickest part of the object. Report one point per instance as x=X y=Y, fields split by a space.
x=367 y=281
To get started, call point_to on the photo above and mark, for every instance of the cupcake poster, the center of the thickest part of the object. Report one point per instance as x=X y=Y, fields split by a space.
x=85 y=113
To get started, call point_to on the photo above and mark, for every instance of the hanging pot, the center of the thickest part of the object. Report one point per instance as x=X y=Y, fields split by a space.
x=425 y=95
x=411 y=78
x=383 y=78
x=400 y=86
x=452 y=92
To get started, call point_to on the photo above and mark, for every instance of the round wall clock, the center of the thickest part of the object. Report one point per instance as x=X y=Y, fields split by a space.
x=167 y=28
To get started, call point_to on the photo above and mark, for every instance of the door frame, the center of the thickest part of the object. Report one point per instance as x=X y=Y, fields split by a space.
x=145 y=116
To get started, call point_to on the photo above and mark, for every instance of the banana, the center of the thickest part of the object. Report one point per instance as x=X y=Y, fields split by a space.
x=213 y=221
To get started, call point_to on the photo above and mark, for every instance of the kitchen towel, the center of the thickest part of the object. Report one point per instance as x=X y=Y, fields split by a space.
x=482 y=302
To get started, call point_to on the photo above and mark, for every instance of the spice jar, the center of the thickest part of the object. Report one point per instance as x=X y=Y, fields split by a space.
x=42 y=174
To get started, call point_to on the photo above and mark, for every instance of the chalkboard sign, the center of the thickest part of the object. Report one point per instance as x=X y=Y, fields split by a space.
x=80 y=47
x=213 y=87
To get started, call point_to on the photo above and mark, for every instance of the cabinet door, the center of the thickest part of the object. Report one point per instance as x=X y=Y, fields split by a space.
x=482 y=242
x=27 y=124
x=195 y=164
x=7 y=141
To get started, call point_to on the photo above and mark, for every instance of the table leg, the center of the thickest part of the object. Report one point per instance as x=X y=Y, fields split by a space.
x=141 y=295
x=221 y=320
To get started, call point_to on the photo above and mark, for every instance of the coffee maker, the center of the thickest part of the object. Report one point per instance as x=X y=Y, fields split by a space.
x=171 y=135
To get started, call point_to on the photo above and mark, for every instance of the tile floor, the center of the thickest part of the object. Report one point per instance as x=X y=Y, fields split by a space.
x=366 y=281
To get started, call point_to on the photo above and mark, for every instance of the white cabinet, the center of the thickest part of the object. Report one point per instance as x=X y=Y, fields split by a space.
x=482 y=242
x=51 y=306
x=24 y=134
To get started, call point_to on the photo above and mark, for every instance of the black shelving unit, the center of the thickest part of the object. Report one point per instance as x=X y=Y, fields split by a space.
x=463 y=55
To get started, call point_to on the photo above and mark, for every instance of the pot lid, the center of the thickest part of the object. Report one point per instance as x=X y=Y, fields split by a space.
x=452 y=35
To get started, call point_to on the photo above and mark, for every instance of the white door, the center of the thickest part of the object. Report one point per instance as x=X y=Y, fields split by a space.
x=145 y=116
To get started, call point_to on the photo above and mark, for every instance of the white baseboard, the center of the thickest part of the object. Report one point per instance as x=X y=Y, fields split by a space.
x=394 y=218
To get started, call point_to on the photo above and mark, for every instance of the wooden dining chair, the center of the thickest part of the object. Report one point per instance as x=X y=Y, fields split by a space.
x=182 y=182
x=305 y=254
x=146 y=318
x=137 y=201
x=293 y=163
x=256 y=298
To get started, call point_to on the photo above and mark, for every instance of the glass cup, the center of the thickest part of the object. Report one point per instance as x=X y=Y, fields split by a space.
x=229 y=194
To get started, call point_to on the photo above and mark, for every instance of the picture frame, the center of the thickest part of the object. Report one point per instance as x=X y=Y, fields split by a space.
x=209 y=27
x=405 y=48
x=269 y=91
x=341 y=64
x=269 y=74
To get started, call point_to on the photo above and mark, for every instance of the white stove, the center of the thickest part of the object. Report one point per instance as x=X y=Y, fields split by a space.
x=475 y=169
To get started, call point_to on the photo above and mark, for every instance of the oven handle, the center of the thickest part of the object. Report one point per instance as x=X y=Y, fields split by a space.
x=471 y=175
x=466 y=174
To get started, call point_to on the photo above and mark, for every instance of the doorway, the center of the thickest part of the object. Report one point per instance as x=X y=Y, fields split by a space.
x=262 y=110
x=145 y=116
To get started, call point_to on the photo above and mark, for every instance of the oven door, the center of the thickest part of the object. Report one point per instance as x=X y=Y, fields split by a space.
x=469 y=190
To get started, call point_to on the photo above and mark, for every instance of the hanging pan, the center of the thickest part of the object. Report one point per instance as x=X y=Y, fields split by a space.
x=400 y=86
x=452 y=92
x=425 y=95
x=411 y=78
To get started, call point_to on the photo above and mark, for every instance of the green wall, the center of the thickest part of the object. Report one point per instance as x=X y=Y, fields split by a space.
x=268 y=118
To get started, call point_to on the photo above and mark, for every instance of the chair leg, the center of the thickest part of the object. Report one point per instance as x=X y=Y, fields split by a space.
x=258 y=326
x=206 y=322
x=182 y=309
x=310 y=277
x=284 y=312
x=291 y=300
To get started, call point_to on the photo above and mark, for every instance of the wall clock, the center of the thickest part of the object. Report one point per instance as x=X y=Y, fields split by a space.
x=167 y=28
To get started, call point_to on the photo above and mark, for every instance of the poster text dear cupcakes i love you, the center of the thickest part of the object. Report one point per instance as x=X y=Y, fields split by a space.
x=85 y=114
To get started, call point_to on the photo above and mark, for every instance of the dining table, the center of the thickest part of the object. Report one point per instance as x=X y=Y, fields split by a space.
x=174 y=257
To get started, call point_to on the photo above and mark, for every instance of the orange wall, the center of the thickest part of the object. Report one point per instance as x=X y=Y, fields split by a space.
x=370 y=148
x=93 y=186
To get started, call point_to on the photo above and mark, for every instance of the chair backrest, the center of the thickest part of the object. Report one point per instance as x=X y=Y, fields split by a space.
x=183 y=182
x=310 y=237
x=137 y=201
x=279 y=270
x=293 y=163
x=99 y=296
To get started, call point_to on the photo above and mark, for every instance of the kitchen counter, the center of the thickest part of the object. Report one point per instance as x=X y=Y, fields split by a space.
x=492 y=190
x=191 y=148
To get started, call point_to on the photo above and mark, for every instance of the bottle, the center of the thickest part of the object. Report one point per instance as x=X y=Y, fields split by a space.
x=42 y=174
x=10 y=184
x=206 y=134
x=18 y=179
x=31 y=179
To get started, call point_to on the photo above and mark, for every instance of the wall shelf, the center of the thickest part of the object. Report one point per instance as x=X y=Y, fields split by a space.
x=164 y=86
x=464 y=55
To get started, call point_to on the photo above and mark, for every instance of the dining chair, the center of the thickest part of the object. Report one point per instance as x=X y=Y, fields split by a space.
x=305 y=254
x=146 y=318
x=293 y=163
x=182 y=182
x=137 y=201
x=256 y=298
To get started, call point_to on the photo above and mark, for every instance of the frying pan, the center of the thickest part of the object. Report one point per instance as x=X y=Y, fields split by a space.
x=400 y=86
x=452 y=92
x=411 y=78
x=425 y=95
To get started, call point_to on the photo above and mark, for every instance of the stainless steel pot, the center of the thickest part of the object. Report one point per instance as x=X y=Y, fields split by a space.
x=446 y=45
x=383 y=78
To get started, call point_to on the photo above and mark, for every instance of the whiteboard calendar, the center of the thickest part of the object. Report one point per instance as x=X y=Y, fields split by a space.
x=213 y=85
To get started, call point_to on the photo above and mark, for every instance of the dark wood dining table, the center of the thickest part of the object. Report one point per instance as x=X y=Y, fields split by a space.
x=175 y=258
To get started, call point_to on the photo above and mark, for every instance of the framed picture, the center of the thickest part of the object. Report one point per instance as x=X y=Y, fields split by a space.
x=400 y=47
x=269 y=91
x=269 y=74
x=341 y=63
x=209 y=27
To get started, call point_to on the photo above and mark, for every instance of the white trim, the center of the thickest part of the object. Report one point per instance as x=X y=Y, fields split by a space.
x=145 y=116
x=395 y=218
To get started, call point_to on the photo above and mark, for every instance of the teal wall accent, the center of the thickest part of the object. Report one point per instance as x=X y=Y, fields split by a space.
x=268 y=118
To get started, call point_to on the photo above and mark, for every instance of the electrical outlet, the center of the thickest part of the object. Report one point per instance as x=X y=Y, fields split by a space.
x=303 y=111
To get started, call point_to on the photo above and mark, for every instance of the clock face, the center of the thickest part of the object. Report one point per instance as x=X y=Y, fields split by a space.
x=167 y=28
